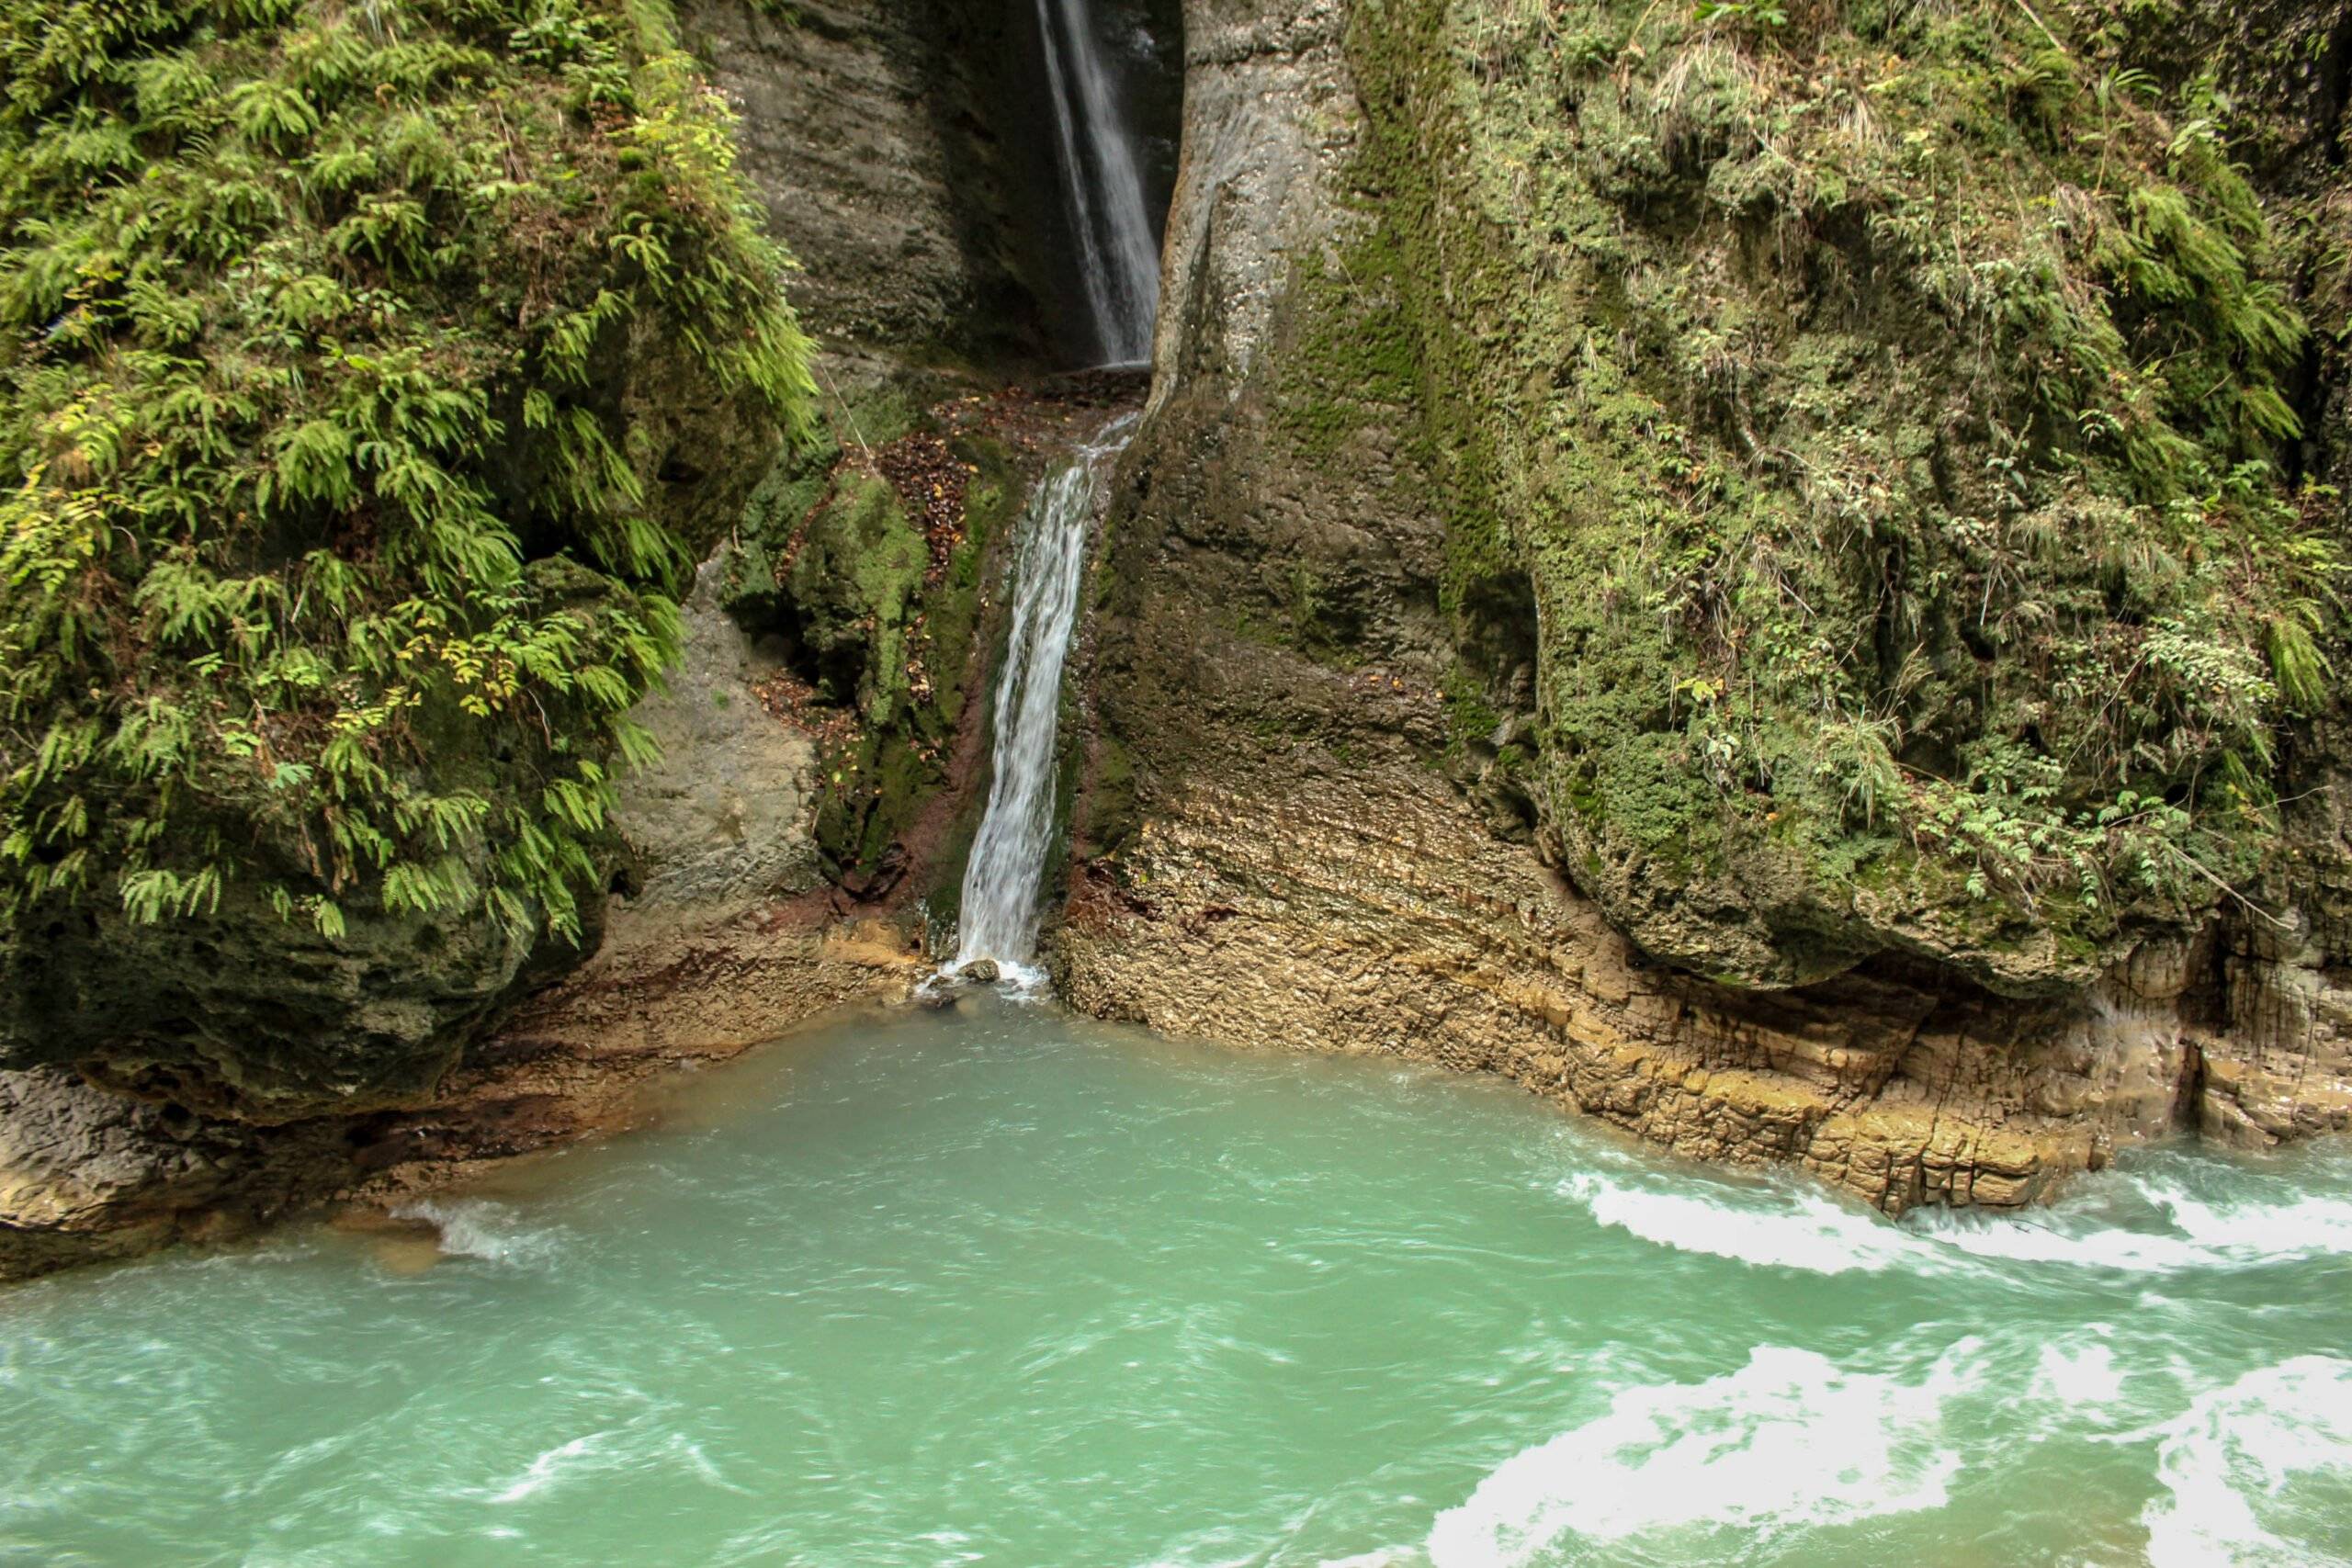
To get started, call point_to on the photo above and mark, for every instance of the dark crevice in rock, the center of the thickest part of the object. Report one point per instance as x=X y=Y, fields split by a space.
x=1144 y=44
x=2334 y=89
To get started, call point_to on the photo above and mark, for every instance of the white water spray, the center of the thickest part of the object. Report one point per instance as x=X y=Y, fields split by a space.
x=1102 y=182
x=1004 y=877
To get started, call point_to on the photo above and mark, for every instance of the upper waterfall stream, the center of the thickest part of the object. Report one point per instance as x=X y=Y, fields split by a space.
x=1103 y=187
x=1003 y=880
x=1000 y=1287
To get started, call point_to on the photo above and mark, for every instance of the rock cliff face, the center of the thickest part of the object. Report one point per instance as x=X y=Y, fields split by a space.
x=720 y=821
x=903 y=150
x=1362 y=733
x=866 y=127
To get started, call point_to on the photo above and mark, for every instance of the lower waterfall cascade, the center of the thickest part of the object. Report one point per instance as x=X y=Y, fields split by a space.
x=1003 y=878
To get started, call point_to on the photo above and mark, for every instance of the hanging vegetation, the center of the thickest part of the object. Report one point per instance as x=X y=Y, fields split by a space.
x=1891 y=412
x=340 y=352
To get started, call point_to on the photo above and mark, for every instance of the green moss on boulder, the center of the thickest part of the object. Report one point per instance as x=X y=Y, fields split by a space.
x=371 y=383
x=861 y=556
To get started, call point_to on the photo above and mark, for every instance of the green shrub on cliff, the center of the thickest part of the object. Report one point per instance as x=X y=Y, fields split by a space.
x=342 y=347
x=1890 y=412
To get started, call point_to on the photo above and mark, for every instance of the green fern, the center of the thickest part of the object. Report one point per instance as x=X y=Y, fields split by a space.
x=271 y=275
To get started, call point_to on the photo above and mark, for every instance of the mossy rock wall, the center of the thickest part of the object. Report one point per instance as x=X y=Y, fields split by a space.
x=1890 y=421
x=368 y=395
x=1854 y=477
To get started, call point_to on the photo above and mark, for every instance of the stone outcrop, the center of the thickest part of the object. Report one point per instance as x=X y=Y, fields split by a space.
x=1312 y=821
x=1333 y=905
x=727 y=941
x=716 y=825
x=866 y=128
x=240 y=1013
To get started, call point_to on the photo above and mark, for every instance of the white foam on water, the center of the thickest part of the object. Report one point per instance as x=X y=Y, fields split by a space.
x=2078 y=1376
x=2237 y=1234
x=2000 y=1239
x=1783 y=1228
x=476 y=1227
x=556 y=1465
x=2230 y=1464
x=2304 y=1226
x=1790 y=1440
x=1774 y=1226
x=615 y=1448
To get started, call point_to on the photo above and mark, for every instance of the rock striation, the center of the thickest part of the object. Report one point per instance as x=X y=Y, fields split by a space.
x=1321 y=905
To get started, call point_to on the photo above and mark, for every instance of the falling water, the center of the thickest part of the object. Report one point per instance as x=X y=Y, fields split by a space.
x=1103 y=180
x=1003 y=878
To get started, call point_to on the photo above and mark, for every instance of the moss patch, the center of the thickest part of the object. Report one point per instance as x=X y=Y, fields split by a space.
x=875 y=590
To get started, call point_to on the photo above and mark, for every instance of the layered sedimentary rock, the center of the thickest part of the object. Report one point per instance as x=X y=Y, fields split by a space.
x=1365 y=906
x=1352 y=781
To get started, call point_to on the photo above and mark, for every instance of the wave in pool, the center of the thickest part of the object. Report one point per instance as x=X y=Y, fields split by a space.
x=1790 y=1439
x=2259 y=1473
x=2146 y=1222
x=479 y=1228
x=1767 y=1227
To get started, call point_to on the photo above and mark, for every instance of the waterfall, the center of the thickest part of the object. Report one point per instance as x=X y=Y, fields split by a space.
x=1004 y=878
x=1119 y=264
x=1102 y=182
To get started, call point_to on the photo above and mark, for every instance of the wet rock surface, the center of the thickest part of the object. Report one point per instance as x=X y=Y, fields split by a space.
x=240 y=1013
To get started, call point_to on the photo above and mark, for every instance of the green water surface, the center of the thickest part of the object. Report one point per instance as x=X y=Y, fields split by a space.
x=1001 y=1287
